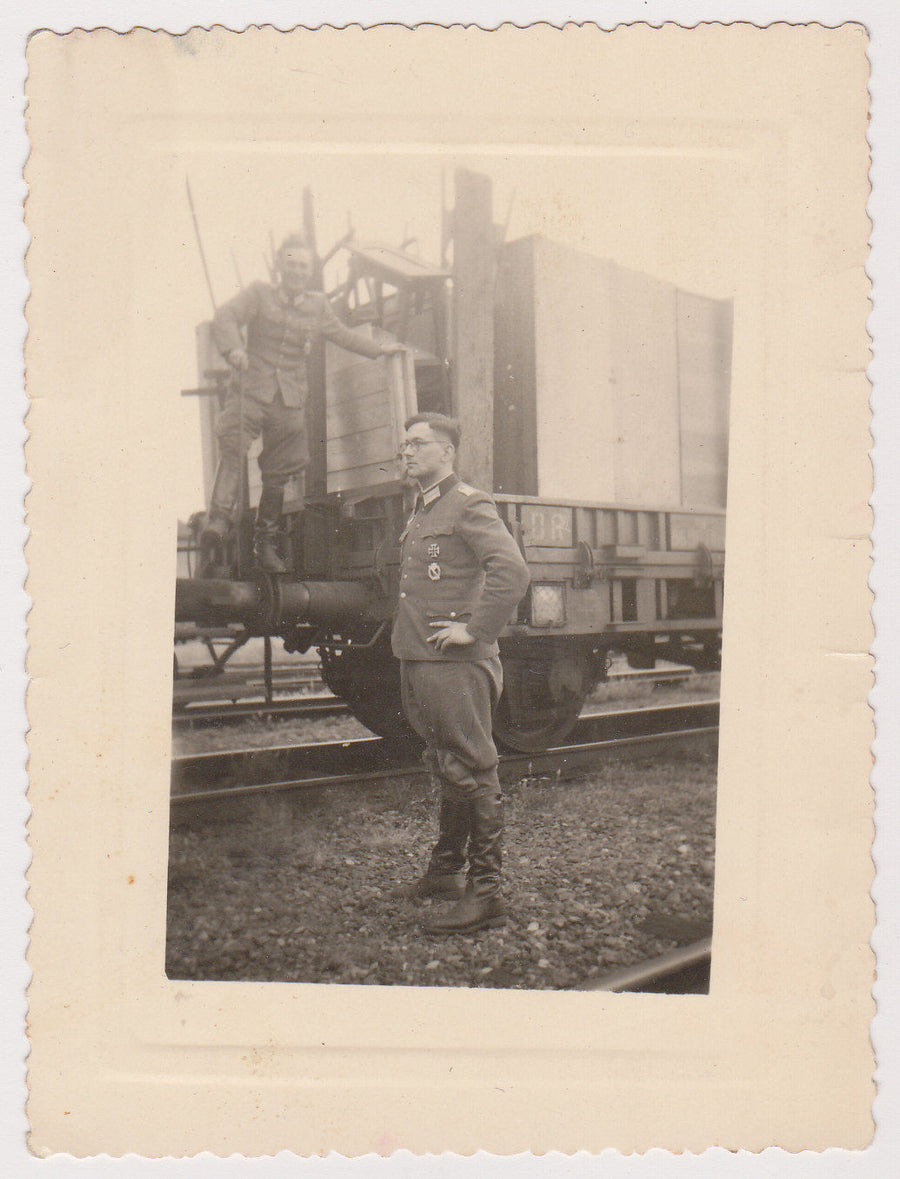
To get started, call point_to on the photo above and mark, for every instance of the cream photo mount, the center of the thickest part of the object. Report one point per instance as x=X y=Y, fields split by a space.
x=760 y=132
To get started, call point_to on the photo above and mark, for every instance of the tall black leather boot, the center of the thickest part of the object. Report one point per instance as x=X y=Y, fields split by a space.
x=265 y=533
x=448 y=856
x=482 y=906
x=443 y=878
x=486 y=843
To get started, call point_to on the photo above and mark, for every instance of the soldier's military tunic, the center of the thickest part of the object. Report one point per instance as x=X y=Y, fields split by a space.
x=271 y=395
x=458 y=563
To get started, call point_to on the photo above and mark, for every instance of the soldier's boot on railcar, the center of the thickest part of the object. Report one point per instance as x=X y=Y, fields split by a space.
x=443 y=879
x=213 y=561
x=482 y=905
x=266 y=530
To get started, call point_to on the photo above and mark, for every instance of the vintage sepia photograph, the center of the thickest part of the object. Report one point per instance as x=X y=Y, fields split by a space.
x=448 y=612
x=448 y=553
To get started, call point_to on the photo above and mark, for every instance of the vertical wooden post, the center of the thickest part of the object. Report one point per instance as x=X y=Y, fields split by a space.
x=316 y=410
x=474 y=264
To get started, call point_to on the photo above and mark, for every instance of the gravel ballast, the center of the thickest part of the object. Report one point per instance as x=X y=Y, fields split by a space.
x=602 y=871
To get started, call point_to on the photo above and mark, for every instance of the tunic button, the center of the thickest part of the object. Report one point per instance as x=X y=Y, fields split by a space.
x=452 y=613
x=403 y=595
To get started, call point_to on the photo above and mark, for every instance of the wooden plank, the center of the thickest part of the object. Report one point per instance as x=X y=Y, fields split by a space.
x=474 y=265
x=546 y=525
x=515 y=388
x=357 y=380
x=645 y=373
x=704 y=374
x=316 y=425
x=368 y=403
x=584 y=525
x=646 y=599
x=361 y=448
x=616 y=586
x=626 y=528
x=575 y=420
x=687 y=530
x=365 y=413
x=370 y=475
x=407 y=367
x=605 y=526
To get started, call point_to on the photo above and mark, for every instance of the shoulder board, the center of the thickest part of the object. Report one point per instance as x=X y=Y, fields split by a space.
x=464 y=489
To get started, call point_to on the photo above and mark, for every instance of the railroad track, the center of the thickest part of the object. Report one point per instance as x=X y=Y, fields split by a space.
x=299 y=708
x=683 y=971
x=239 y=695
x=212 y=778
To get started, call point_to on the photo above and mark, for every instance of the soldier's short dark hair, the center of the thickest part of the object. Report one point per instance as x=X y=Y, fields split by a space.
x=294 y=241
x=440 y=424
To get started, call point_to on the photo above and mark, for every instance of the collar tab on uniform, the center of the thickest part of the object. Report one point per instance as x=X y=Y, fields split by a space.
x=436 y=490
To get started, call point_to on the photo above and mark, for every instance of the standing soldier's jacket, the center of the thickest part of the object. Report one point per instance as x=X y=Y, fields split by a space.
x=280 y=331
x=458 y=563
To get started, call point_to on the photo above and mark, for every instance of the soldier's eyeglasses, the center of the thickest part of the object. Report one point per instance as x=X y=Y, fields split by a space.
x=414 y=445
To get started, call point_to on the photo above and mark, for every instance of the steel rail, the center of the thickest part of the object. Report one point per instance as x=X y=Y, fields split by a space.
x=203 y=715
x=204 y=680
x=207 y=777
x=655 y=974
x=217 y=698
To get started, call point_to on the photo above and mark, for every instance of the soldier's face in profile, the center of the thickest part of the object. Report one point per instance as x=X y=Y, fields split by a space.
x=295 y=266
x=426 y=455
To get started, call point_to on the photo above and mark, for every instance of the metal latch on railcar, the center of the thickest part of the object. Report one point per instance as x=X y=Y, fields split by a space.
x=590 y=561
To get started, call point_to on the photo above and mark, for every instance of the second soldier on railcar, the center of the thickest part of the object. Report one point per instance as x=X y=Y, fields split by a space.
x=269 y=396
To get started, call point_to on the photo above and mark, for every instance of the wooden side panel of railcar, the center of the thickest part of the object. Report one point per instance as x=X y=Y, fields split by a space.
x=644 y=385
x=704 y=383
x=609 y=384
x=515 y=387
x=365 y=410
x=619 y=570
x=576 y=429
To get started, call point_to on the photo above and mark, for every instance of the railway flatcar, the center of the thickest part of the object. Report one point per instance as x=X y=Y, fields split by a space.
x=594 y=404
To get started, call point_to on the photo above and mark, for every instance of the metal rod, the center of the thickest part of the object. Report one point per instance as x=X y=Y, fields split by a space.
x=509 y=210
x=309 y=221
x=338 y=245
x=209 y=285
x=237 y=270
x=267 y=668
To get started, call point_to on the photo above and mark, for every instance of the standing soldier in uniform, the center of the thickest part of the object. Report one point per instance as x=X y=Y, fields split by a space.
x=270 y=393
x=461 y=577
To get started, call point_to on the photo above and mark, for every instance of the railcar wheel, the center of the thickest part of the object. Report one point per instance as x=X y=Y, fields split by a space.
x=544 y=691
x=368 y=681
